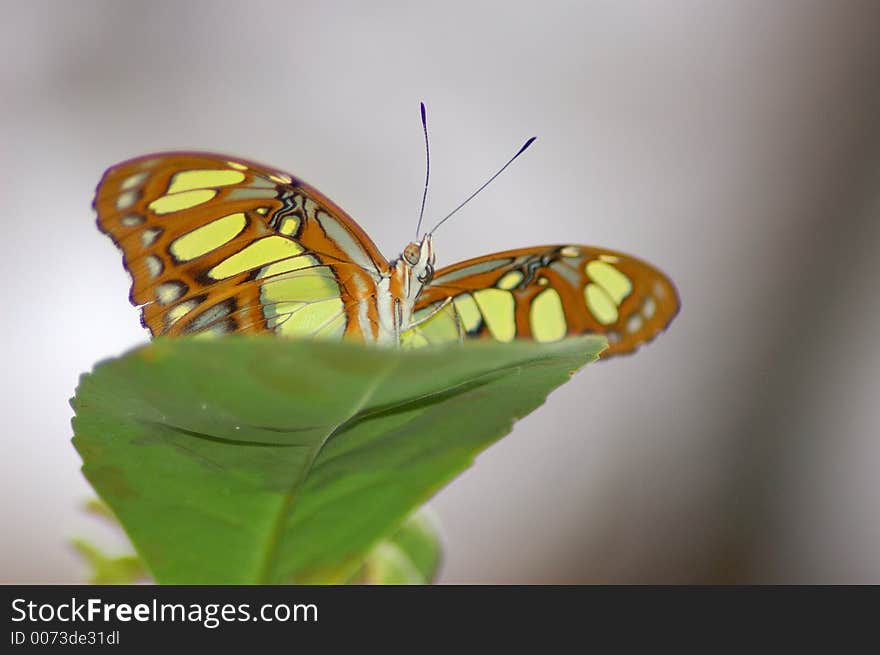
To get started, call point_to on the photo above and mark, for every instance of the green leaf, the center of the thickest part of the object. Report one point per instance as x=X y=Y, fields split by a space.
x=411 y=555
x=99 y=509
x=110 y=569
x=257 y=460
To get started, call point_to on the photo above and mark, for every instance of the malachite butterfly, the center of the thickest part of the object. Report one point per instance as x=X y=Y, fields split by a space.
x=219 y=245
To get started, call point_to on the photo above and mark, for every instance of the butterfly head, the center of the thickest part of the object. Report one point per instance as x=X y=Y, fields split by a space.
x=418 y=258
x=410 y=273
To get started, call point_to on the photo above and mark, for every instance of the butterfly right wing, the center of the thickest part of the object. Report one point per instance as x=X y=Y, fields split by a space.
x=547 y=293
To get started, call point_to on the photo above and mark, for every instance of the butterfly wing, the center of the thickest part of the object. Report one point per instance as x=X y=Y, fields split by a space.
x=218 y=244
x=546 y=293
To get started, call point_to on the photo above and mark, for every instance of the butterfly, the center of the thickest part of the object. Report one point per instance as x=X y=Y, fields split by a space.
x=219 y=245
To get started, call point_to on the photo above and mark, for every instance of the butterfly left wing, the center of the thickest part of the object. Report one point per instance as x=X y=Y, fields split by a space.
x=219 y=244
x=546 y=293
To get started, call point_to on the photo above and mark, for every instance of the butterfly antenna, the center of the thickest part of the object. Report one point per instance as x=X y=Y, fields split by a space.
x=487 y=183
x=427 y=170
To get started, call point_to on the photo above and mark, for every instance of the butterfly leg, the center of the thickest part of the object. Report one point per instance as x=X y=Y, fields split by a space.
x=432 y=314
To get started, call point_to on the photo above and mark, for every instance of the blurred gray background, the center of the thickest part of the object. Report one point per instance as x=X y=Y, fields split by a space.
x=733 y=144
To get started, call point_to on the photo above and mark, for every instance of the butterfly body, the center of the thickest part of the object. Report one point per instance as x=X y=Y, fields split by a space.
x=219 y=245
x=397 y=293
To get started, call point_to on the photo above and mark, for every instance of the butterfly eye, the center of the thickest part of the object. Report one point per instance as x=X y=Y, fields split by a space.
x=429 y=274
x=411 y=254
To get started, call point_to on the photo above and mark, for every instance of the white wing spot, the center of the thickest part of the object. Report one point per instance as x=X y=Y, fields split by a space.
x=168 y=292
x=133 y=181
x=131 y=220
x=634 y=323
x=126 y=199
x=154 y=265
x=149 y=236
